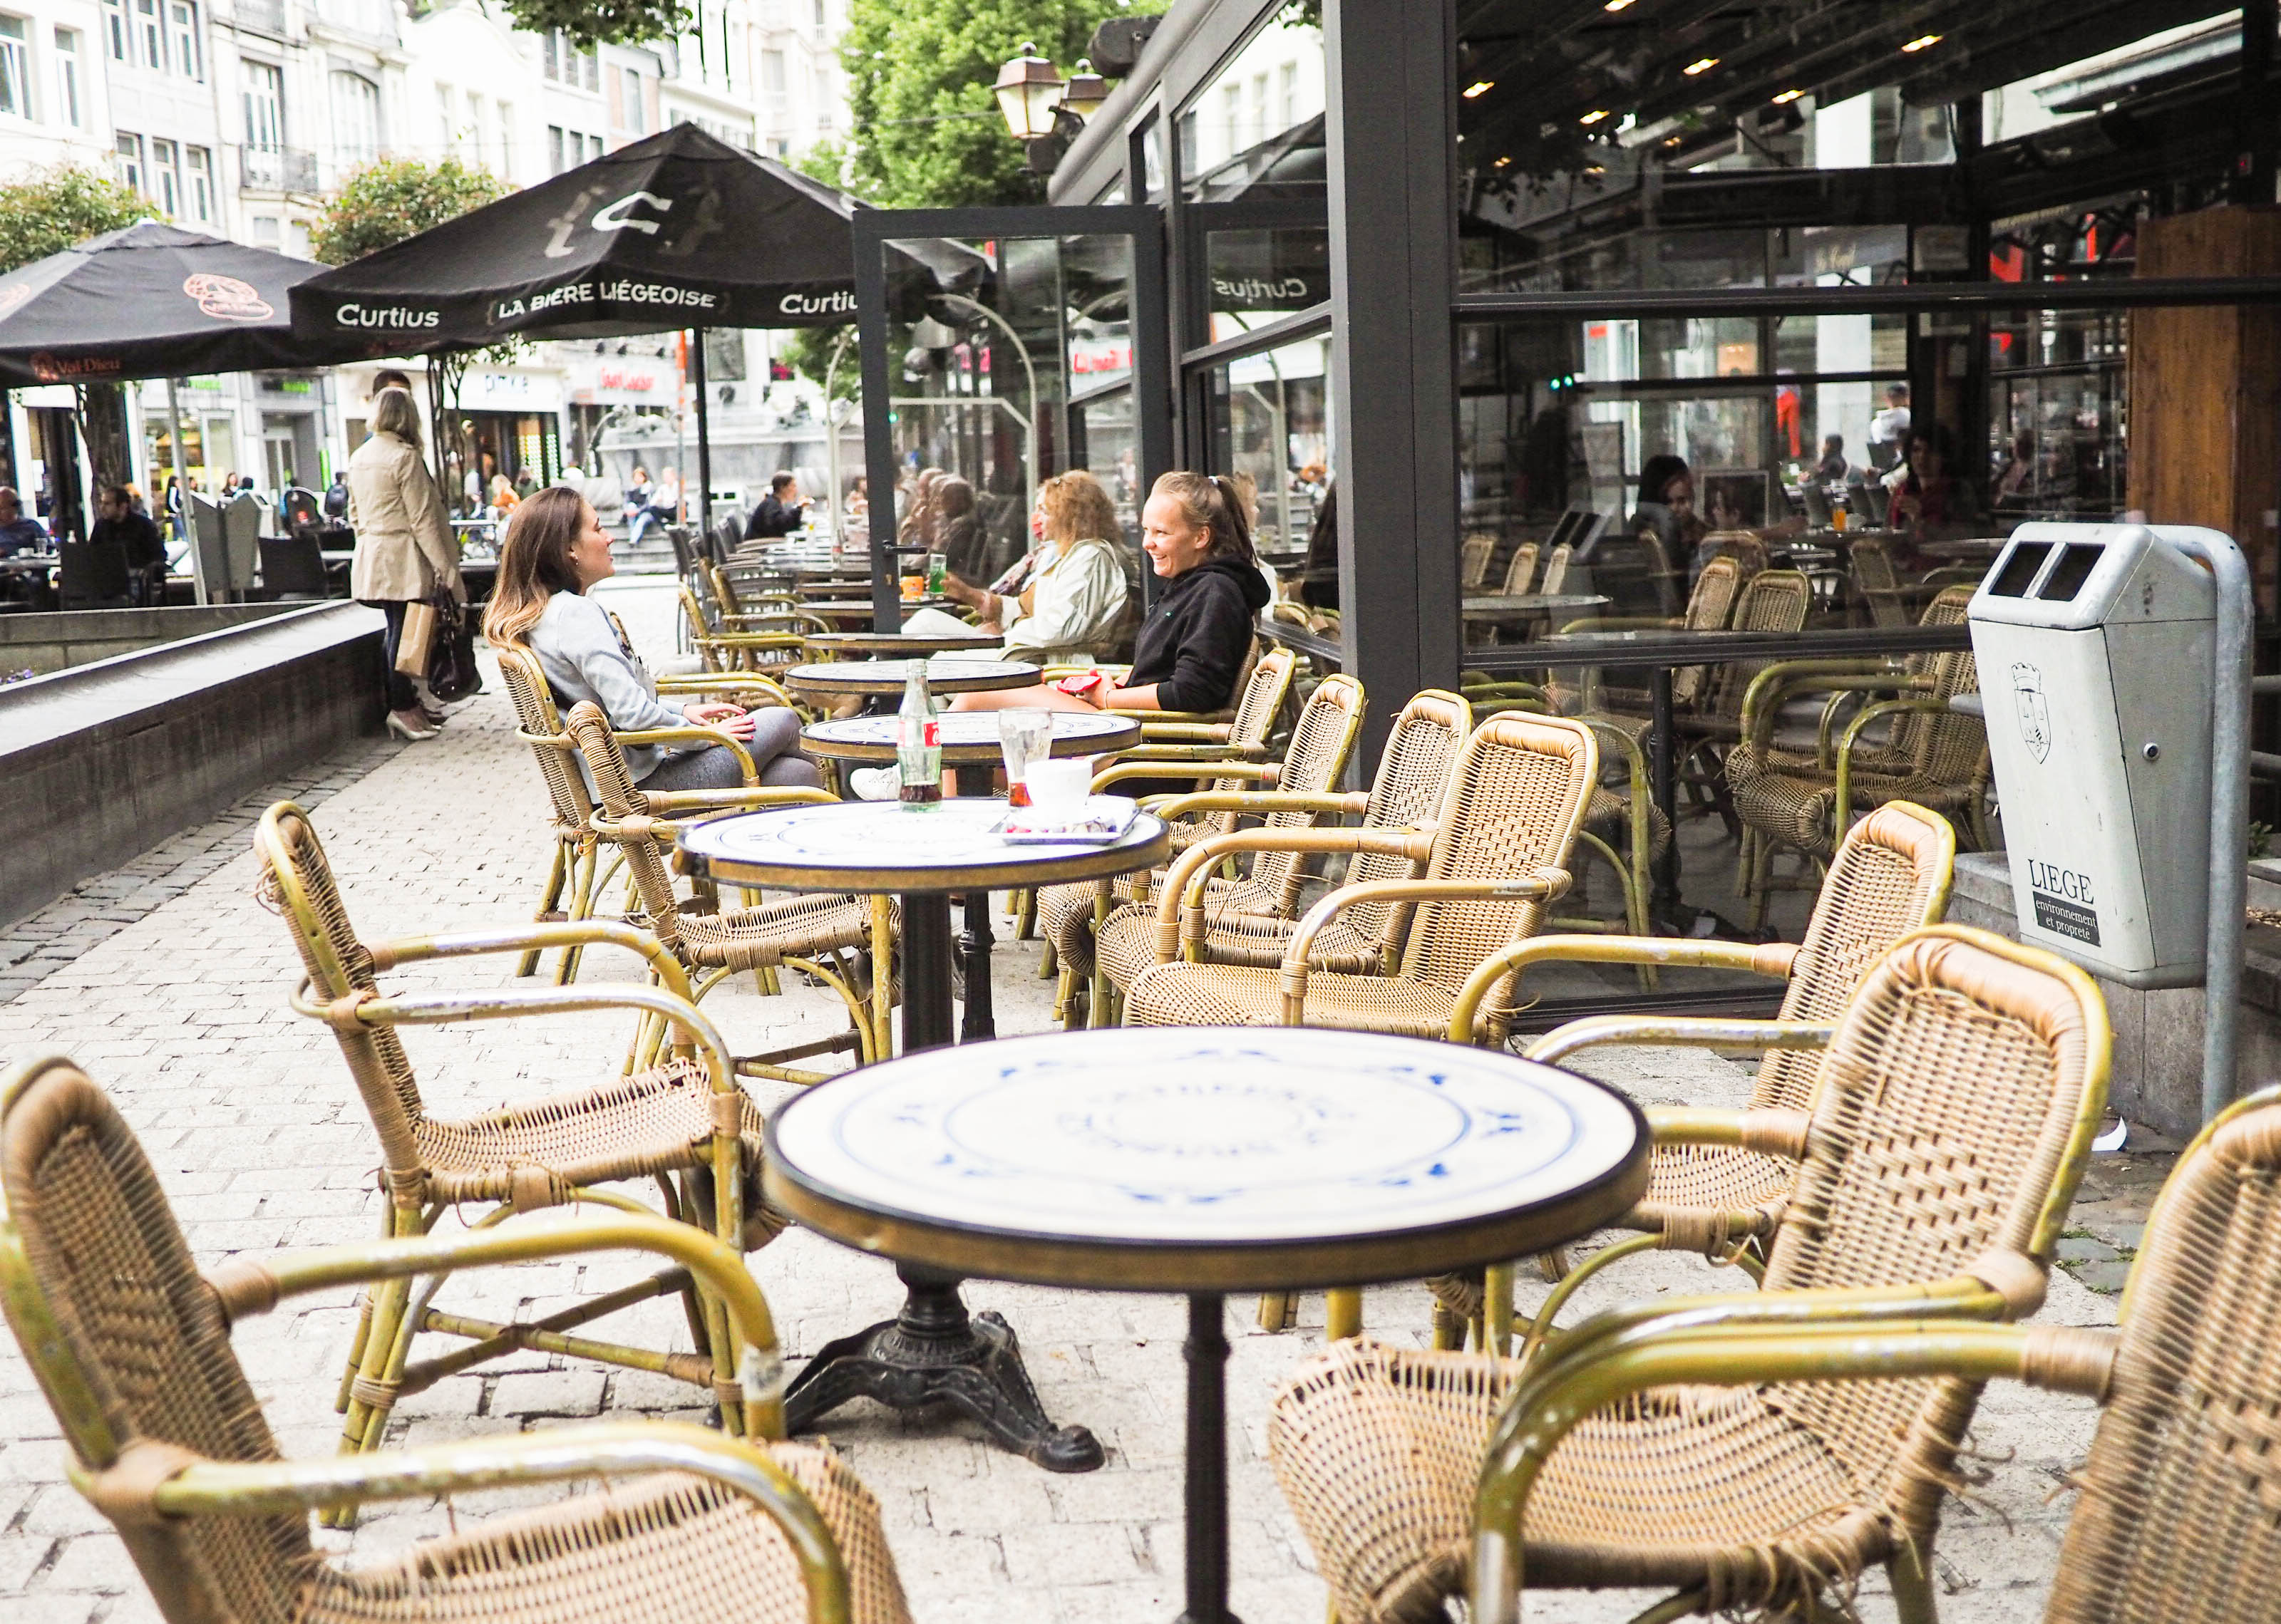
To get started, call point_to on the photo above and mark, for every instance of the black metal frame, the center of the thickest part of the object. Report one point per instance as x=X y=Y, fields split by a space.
x=1152 y=402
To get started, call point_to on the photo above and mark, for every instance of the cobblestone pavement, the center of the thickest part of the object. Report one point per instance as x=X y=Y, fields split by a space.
x=168 y=983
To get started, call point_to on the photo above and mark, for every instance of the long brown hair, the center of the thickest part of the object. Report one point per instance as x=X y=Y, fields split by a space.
x=535 y=562
x=1211 y=502
x=1077 y=509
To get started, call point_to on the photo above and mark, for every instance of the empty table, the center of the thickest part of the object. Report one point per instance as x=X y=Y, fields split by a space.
x=931 y=1353
x=871 y=678
x=1205 y=1160
x=969 y=738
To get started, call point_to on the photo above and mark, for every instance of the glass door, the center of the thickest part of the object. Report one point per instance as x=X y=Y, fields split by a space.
x=1001 y=347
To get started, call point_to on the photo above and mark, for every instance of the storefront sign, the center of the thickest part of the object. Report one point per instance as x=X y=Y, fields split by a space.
x=623 y=381
x=510 y=391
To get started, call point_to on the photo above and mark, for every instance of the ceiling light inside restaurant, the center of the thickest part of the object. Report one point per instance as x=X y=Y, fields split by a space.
x=1595 y=116
x=1788 y=96
x=1701 y=64
x=1615 y=5
x=1480 y=87
x=1919 y=43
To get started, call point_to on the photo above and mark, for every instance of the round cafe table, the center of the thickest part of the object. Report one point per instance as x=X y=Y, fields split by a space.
x=871 y=678
x=1205 y=1160
x=895 y=643
x=931 y=1353
x=969 y=738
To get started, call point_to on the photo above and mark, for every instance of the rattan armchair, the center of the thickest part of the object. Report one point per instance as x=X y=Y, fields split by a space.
x=131 y=1346
x=1236 y=748
x=685 y=1118
x=1892 y=875
x=1958 y=1100
x=1473 y=555
x=722 y=648
x=2175 y=1522
x=1521 y=569
x=712 y=941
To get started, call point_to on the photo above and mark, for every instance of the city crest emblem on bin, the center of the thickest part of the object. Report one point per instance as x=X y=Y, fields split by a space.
x=2035 y=714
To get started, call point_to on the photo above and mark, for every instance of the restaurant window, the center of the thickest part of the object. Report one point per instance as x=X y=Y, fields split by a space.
x=184 y=38
x=15 y=69
x=356 y=119
x=69 y=103
x=198 y=171
x=1268 y=429
x=165 y=178
x=1236 y=143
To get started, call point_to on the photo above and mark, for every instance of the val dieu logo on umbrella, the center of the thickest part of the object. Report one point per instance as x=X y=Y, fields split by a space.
x=228 y=299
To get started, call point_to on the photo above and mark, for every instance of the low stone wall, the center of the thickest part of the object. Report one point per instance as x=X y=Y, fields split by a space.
x=46 y=643
x=2157 y=1035
x=102 y=761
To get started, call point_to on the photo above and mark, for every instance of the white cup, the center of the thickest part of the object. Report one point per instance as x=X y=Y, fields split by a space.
x=1059 y=785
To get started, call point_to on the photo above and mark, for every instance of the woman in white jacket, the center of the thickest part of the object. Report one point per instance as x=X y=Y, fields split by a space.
x=404 y=544
x=1073 y=605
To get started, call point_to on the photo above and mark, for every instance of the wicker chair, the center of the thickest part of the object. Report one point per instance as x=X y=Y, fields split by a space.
x=1521 y=569
x=1556 y=569
x=575 y=874
x=1473 y=555
x=1066 y=914
x=1249 y=922
x=679 y=1118
x=131 y=1345
x=1934 y=756
x=1495 y=861
x=713 y=942
x=1955 y=1115
x=1892 y=875
x=2175 y=1522
x=725 y=648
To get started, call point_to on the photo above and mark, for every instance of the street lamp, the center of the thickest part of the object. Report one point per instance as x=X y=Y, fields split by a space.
x=1043 y=111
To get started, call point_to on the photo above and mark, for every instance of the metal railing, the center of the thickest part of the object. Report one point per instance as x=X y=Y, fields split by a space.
x=278 y=169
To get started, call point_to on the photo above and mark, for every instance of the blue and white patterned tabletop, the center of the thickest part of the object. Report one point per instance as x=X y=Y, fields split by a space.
x=1205 y=1136
x=1075 y=733
x=945 y=675
x=945 y=845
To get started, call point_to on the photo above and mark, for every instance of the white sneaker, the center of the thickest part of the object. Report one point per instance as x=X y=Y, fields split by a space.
x=875 y=783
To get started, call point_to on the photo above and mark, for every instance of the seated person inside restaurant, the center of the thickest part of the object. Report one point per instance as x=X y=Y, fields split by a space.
x=117 y=525
x=1192 y=646
x=1929 y=503
x=556 y=550
x=780 y=513
x=1069 y=604
x=19 y=532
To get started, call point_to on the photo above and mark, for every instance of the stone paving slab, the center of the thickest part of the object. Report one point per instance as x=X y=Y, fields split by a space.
x=178 y=1007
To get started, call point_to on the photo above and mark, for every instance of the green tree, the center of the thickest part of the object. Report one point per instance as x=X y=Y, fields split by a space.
x=589 y=23
x=385 y=201
x=928 y=132
x=47 y=212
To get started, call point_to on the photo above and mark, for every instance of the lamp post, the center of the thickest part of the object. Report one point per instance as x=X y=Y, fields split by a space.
x=1043 y=111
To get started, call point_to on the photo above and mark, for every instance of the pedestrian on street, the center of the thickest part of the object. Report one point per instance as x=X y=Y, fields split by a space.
x=404 y=546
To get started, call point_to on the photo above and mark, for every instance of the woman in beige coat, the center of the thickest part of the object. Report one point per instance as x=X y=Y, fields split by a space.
x=404 y=544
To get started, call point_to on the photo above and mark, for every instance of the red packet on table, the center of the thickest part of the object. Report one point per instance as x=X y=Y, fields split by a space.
x=1081 y=684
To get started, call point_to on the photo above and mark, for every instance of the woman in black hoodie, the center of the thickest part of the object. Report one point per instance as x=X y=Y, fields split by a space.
x=1191 y=645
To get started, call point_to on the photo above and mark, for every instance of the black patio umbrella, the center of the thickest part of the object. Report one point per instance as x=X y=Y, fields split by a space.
x=154 y=301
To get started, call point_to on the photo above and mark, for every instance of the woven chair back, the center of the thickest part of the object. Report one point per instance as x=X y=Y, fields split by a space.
x=724 y=592
x=1473 y=557
x=1770 y=601
x=1708 y=606
x=1412 y=784
x=2178 y=1520
x=130 y=1344
x=1515 y=804
x=542 y=725
x=1955 y=1114
x=1877 y=582
x=1313 y=764
x=1556 y=569
x=614 y=787
x=1890 y=875
x=1261 y=690
x=1949 y=747
x=701 y=628
x=299 y=881
x=1746 y=548
x=1520 y=571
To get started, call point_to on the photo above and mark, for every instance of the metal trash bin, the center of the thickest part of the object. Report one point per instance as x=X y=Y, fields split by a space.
x=2094 y=644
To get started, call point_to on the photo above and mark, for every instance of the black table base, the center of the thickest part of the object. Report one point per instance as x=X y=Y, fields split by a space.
x=934 y=1356
x=1206 y=1490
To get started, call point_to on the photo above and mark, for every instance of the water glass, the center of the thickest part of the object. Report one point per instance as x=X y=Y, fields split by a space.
x=1025 y=738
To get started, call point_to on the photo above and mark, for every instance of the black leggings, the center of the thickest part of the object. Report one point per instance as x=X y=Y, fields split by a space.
x=401 y=695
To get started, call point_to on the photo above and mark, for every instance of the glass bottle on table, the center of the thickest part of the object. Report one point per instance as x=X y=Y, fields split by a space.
x=918 y=740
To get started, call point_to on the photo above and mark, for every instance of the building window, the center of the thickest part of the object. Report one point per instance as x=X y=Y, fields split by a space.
x=15 y=69
x=265 y=230
x=166 y=179
x=356 y=119
x=150 y=38
x=549 y=55
x=554 y=165
x=198 y=168
x=182 y=27
x=474 y=126
x=506 y=140
x=68 y=91
x=265 y=107
x=445 y=119
x=129 y=148
x=630 y=90
x=114 y=28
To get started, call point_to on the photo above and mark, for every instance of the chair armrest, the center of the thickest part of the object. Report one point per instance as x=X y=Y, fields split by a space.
x=726 y=682
x=1542 y=884
x=1842 y=809
x=693 y=735
x=1192 y=752
x=517 y=938
x=1263 y=802
x=1626 y=623
x=760 y=796
x=1179 y=900
x=1766 y=1131
x=1773 y=959
x=1547 y=1405
x=1714 y=1033
x=612 y=1448
x=1786 y=671
x=252 y=1283
x=1185 y=727
x=1126 y=769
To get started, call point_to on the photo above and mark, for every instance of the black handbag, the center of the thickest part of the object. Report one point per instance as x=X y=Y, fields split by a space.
x=452 y=672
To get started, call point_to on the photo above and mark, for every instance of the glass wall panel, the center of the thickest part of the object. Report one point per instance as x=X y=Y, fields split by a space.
x=1269 y=430
x=1256 y=131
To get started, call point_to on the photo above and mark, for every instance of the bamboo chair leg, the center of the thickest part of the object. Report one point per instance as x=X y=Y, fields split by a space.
x=1068 y=1008
x=583 y=864
x=1343 y=1313
x=1279 y=1311
x=550 y=902
x=1671 y=1609
x=1541 y=1327
x=1496 y=1309
x=1049 y=962
x=1449 y=1329
x=883 y=980
x=677 y=1205
x=1914 y=1594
